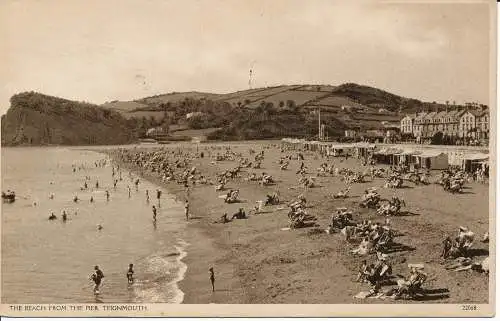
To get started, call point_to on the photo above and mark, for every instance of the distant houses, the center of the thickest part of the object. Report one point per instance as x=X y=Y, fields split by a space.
x=460 y=124
x=155 y=131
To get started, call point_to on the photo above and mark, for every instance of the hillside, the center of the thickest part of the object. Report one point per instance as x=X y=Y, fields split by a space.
x=176 y=97
x=342 y=107
x=259 y=113
x=37 y=119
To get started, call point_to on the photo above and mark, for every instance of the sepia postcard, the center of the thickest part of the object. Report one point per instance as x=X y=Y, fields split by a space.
x=248 y=158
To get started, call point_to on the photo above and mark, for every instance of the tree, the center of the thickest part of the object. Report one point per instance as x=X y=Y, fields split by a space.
x=437 y=139
x=282 y=104
x=290 y=104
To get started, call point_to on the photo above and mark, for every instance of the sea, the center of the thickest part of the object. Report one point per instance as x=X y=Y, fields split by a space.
x=50 y=261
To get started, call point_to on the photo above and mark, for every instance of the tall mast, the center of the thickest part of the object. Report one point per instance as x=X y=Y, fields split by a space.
x=319 y=124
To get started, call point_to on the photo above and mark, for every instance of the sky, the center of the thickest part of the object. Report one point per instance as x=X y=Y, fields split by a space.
x=103 y=50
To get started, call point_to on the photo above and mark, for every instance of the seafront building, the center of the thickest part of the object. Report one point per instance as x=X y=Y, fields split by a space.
x=463 y=124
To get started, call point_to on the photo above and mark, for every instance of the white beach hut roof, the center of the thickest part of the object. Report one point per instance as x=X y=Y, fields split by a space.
x=476 y=156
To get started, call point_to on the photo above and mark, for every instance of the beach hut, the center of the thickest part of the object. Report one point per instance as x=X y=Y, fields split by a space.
x=407 y=157
x=432 y=159
x=387 y=155
x=471 y=162
x=363 y=150
x=340 y=149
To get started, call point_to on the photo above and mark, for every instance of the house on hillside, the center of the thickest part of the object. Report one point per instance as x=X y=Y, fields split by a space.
x=194 y=114
x=155 y=131
x=351 y=133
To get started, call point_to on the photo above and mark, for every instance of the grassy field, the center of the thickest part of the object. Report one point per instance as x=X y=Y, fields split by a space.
x=300 y=97
x=158 y=115
x=338 y=101
x=194 y=132
x=124 y=106
x=176 y=97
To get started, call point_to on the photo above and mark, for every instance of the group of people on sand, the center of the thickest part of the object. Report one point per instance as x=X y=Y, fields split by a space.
x=378 y=238
x=175 y=165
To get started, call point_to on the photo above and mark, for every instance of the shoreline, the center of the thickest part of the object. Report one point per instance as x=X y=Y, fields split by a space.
x=201 y=246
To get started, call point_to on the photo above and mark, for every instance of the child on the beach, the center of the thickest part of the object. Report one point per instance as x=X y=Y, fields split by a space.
x=212 y=278
x=186 y=210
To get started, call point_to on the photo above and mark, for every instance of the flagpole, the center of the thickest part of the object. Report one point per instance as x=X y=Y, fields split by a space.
x=319 y=124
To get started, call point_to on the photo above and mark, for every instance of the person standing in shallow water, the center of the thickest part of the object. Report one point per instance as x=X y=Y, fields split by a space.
x=212 y=278
x=186 y=210
x=130 y=273
x=154 y=213
x=97 y=277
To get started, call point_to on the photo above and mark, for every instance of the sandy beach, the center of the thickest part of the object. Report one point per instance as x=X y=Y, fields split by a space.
x=255 y=261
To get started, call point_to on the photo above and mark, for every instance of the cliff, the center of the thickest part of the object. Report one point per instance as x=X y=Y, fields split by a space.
x=37 y=119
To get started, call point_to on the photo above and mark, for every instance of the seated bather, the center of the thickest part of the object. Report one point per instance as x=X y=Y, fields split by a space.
x=239 y=215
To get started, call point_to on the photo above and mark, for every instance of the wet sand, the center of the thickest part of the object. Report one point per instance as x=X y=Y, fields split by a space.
x=257 y=262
